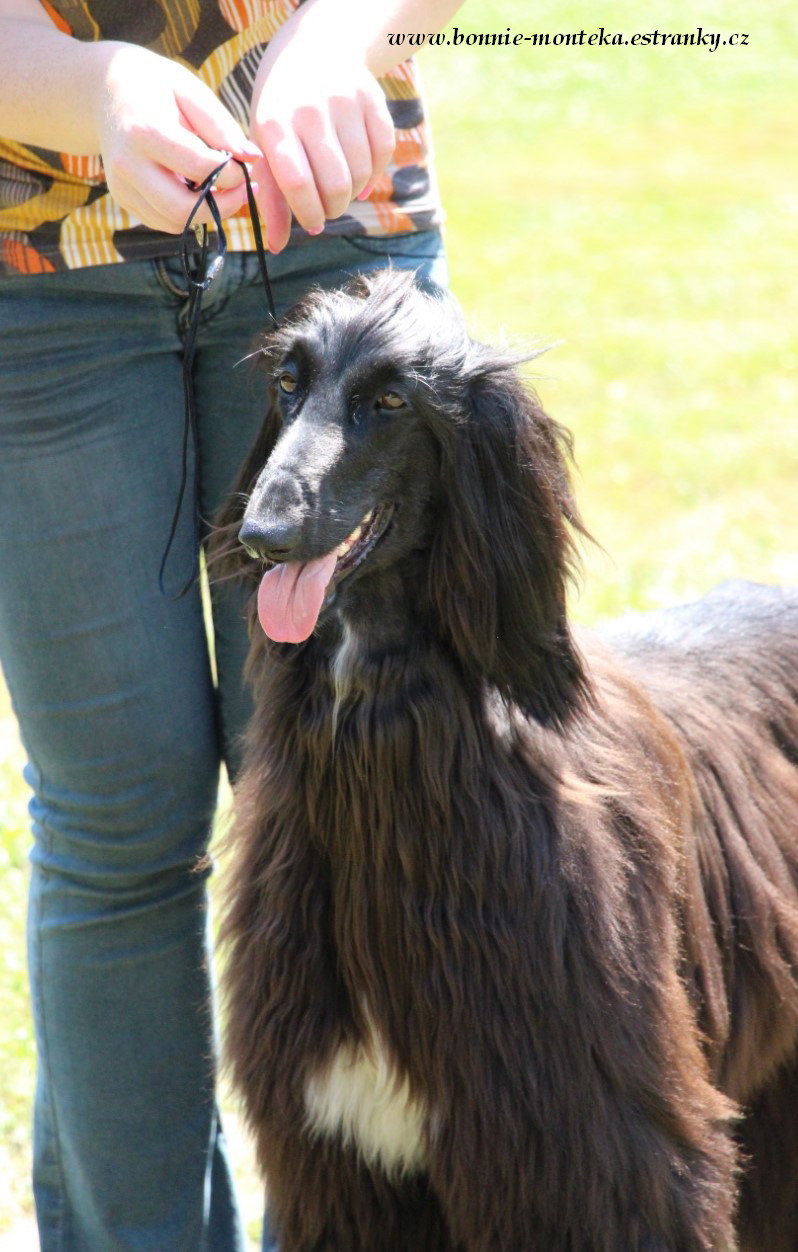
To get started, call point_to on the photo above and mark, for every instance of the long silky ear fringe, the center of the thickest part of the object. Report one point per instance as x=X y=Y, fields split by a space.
x=503 y=551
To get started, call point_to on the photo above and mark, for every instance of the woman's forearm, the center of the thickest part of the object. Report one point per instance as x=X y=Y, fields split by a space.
x=49 y=84
x=359 y=29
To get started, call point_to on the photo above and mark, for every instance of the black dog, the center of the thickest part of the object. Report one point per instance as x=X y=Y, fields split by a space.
x=514 y=922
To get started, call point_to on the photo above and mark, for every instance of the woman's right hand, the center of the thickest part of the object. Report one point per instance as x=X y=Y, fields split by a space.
x=158 y=125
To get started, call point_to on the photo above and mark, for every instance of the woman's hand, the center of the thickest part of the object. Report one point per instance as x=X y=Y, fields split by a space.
x=158 y=125
x=321 y=120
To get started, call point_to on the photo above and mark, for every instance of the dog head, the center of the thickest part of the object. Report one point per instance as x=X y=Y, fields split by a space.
x=393 y=441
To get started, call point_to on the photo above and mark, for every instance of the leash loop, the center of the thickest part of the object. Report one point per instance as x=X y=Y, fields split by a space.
x=199 y=280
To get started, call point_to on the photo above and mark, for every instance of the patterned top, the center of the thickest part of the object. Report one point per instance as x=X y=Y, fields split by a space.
x=55 y=209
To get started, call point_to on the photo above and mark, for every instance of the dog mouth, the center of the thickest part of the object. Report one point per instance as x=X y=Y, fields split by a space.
x=361 y=543
x=292 y=594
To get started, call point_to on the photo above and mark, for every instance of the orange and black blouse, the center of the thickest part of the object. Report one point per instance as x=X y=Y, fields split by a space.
x=55 y=209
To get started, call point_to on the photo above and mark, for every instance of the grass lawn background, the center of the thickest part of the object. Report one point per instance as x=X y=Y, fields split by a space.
x=637 y=207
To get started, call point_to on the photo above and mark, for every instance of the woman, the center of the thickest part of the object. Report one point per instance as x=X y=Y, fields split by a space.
x=107 y=107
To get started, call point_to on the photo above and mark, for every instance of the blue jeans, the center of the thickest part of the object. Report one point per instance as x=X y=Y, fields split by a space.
x=123 y=722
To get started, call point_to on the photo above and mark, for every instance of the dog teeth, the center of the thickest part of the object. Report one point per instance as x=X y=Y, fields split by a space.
x=349 y=542
x=356 y=534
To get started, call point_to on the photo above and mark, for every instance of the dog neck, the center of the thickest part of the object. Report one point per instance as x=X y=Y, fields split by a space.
x=376 y=632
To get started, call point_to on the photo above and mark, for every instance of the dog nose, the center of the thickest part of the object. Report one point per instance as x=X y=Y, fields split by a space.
x=270 y=541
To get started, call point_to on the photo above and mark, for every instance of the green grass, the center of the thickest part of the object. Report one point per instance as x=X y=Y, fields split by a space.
x=637 y=208
x=16 y=1033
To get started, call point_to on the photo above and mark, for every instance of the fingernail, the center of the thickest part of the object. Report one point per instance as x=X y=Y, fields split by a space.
x=366 y=192
x=317 y=230
x=251 y=150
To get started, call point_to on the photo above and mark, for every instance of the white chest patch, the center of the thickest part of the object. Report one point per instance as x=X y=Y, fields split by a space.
x=359 y=1097
x=344 y=662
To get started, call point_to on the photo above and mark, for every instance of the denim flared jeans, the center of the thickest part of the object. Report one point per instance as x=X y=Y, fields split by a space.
x=124 y=720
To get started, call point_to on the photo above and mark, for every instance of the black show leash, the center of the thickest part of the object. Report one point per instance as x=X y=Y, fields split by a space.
x=199 y=280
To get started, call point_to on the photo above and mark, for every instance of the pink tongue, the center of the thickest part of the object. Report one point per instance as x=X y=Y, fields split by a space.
x=290 y=598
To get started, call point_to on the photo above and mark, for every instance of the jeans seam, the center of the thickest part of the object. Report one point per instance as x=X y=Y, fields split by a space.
x=44 y=1059
x=164 y=278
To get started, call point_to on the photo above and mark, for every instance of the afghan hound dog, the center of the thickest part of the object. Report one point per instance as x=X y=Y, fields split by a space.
x=513 y=923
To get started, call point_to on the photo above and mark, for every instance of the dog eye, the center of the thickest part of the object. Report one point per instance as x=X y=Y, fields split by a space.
x=390 y=400
x=287 y=383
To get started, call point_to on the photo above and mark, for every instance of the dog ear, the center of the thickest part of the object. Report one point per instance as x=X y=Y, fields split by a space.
x=503 y=551
x=226 y=556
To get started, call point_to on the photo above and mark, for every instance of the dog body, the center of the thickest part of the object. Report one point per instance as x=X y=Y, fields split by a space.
x=514 y=917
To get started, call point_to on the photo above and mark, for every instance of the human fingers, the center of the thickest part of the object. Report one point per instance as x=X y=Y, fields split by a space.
x=366 y=139
x=273 y=207
x=381 y=133
x=178 y=149
x=161 y=201
x=129 y=197
x=355 y=154
x=230 y=176
x=331 y=174
x=323 y=155
x=208 y=118
x=152 y=109
x=355 y=148
x=321 y=161
x=291 y=170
